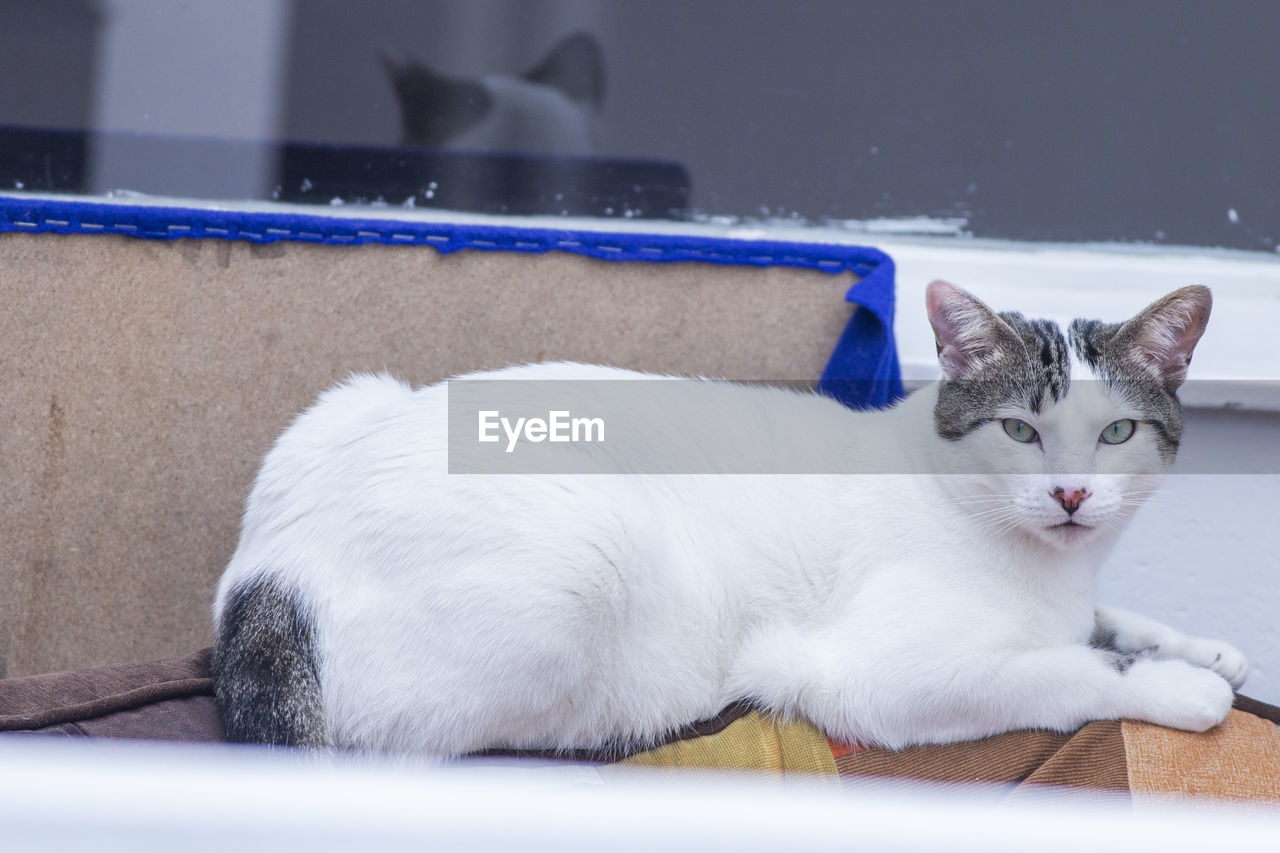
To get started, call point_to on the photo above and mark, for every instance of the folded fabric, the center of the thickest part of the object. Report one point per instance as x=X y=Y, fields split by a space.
x=159 y=700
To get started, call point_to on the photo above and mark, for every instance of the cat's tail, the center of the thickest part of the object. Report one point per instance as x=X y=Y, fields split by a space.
x=266 y=676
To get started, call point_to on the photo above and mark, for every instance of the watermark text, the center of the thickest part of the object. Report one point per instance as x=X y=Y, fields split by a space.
x=559 y=425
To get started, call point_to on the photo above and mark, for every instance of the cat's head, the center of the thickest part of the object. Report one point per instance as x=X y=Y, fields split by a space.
x=1063 y=433
x=546 y=109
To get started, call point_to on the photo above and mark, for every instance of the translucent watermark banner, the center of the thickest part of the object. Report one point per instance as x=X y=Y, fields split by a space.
x=663 y=426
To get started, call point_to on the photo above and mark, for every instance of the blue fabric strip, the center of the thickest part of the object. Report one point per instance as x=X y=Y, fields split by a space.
x=863 y=371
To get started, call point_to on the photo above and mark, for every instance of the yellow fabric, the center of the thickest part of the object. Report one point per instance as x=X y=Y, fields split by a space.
x=1238 y=760
x=758 y=743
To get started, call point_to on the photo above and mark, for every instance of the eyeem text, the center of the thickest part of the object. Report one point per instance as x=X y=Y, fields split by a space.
x=557 y=426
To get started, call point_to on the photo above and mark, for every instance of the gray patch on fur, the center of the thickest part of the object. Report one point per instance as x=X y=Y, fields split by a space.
x=266 y=678
x=1120 y=661
x=1048 y=363
x=1108 y=349
x=1103 y=640
x=1030 y=367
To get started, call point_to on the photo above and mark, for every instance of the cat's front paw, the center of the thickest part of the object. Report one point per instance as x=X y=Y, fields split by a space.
x=1178 y=694
x=1220 y=657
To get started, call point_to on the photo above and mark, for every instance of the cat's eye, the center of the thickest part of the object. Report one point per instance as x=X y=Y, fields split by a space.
x=1019 y=430
x=1117 y=432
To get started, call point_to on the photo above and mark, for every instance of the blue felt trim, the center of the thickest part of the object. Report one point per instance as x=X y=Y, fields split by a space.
x=863 y=370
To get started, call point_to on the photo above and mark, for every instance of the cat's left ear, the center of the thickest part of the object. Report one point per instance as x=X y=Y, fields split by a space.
x=970 y=336
x=1163 y=335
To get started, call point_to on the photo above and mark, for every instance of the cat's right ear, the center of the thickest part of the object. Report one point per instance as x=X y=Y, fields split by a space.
x=969 y=335
x=575 y=66
x=392 y=65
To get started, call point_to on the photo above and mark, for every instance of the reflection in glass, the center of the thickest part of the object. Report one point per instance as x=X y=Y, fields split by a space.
x=1143 y=121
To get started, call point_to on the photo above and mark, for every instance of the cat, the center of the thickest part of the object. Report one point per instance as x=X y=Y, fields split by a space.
x=550 y=109
x=377 y=603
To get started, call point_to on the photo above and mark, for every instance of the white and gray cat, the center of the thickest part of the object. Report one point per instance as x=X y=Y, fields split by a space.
x=549 y=109
x=377 y=602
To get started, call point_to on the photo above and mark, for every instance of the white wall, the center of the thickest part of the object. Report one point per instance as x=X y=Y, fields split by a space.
x=1203 y=556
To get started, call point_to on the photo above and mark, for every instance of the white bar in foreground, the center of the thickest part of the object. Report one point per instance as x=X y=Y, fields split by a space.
x=107 y=796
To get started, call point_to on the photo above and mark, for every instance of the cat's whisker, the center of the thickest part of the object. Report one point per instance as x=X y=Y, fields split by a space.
x=1000 y=523
x=1000 y=507
x=994 y=515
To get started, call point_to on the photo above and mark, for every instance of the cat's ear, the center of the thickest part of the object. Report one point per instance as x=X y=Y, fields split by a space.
x=969 y=335
x=1163 y=335
x=392 y=65
x=399 y=70
x=434 y=108
x=575 y=66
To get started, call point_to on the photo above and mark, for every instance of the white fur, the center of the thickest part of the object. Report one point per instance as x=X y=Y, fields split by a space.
x=455 y=613
x=530 y=118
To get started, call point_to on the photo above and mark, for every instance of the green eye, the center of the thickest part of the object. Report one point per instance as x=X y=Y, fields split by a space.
x=1020 y=430
x=1117 y=432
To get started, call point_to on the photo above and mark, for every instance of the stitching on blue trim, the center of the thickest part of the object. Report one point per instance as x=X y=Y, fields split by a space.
x=721 y=250
x=861 y=268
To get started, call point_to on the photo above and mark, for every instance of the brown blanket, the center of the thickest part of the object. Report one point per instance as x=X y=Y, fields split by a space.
x=173 y=700
x=160 y=700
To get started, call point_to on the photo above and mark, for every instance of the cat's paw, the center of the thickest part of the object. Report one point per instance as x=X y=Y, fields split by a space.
x=1220 y=657
x=1178 y=694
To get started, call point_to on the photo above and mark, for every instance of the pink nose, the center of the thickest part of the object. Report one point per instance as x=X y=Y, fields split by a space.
x=1070 y=500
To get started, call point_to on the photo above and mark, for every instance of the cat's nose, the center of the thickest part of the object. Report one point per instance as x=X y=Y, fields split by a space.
x=1070 y=500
